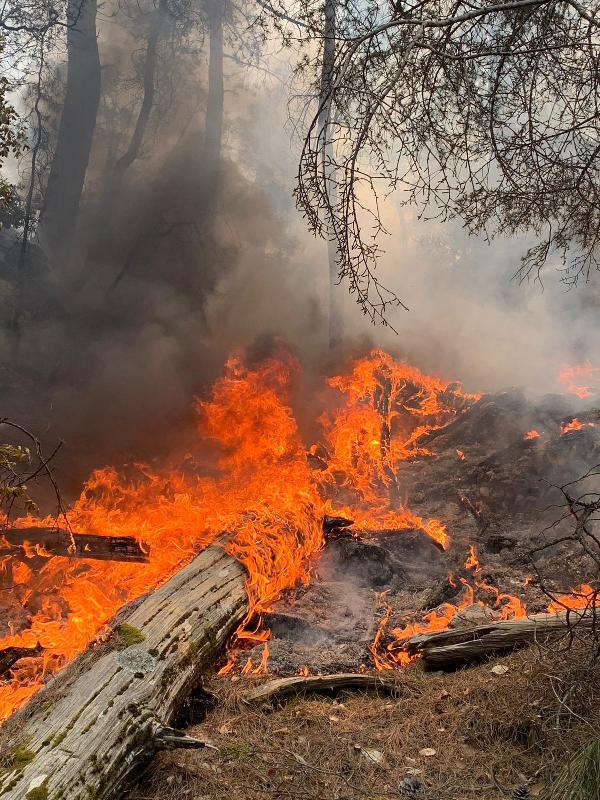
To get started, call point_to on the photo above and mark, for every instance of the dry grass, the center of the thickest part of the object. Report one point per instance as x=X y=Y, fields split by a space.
x=487 y=730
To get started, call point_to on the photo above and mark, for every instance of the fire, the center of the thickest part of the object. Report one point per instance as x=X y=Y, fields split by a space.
x=475 y=592
x=581 y=598
x=247 y=474
x=460 y=455
x=582 y=380
x=574 y=425
x=472 y=561
x=259 y=490
x=387 y=410
x=249 y=480
x=531 y=435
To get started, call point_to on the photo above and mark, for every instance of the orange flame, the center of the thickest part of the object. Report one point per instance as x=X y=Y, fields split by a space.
x=530 y=435
x=582 y=597
x=570 y=376
x=472 y=561
x=261 y=493
x=460 y=455
x=387 y=411
x=574 y=425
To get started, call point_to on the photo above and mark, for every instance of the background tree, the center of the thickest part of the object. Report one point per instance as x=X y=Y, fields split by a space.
x=76 y=130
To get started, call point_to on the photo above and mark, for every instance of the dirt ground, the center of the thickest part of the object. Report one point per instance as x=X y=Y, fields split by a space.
x=463 y=735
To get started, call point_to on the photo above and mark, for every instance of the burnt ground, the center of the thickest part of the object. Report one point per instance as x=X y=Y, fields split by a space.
x=501 y=497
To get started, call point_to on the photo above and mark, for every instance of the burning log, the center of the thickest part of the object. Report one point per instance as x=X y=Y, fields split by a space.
x=336 y=527
x=97 y=722
x=58 y=542
x=10 y=656
x=451 y=648
x=277 y=689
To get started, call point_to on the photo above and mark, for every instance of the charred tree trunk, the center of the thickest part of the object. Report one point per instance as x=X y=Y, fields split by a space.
x=329 y=37
x=94 y=725
x=150 y=63
x=213 y=132
x=76 y=130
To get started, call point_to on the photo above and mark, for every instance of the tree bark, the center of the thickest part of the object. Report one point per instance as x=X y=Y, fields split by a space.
x=96 y=723
x=451 y=648
x=76 y=130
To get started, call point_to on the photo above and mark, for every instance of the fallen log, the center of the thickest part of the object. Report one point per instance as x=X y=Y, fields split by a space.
x=453 y=647
x=94 y=725
x=279 y=688
x=58 y=542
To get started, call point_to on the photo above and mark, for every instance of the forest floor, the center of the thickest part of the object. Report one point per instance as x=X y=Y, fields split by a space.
x=469 y=734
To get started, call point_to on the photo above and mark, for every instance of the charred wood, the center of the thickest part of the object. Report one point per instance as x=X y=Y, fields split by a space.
x=59 y=542
x=10 y=656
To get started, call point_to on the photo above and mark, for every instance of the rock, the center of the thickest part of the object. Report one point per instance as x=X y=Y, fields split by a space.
x=411 y=787
x=375 y=756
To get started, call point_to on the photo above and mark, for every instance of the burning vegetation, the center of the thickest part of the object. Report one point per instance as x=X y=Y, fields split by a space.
x=248 y=476
x=251 y=481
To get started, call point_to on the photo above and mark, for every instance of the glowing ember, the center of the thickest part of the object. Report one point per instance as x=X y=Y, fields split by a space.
x=531 y=435
x=582 y=380
x=460 y=455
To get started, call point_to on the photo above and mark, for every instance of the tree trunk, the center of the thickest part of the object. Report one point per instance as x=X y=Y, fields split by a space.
x=76 y=130
x=213 y=131
x=455 y=647
x=137 y=137
x=96 y=723
x=329 y=37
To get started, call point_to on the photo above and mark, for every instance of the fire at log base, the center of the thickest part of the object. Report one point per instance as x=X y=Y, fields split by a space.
x=96 y=723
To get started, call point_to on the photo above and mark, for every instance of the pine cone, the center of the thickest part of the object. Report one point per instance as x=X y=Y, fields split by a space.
x=410 y=787
x=522 y=793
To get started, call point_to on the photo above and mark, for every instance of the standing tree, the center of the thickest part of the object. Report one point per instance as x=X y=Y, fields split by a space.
x=326 y=147
x=150 y=68
x=76 y=130
x=487 y=112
